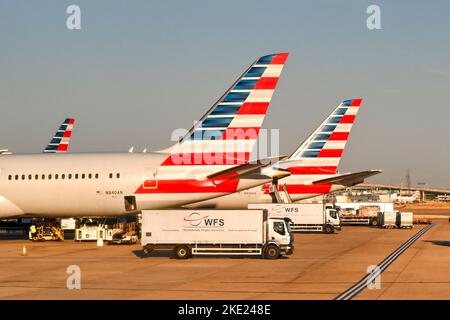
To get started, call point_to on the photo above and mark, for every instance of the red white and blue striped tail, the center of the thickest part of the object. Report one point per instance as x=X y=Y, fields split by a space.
x=61 y=139
x=322 y=151
x=227 y=133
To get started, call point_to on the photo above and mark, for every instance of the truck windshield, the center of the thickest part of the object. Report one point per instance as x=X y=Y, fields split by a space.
x=333 y=214
x=278 y=227
x=288 y=223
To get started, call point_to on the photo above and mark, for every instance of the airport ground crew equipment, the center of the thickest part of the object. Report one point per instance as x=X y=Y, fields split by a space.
x=45 y=232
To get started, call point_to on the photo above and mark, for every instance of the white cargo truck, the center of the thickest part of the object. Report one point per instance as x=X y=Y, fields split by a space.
x=362 y=213
x=307 y=217
x=216 y=232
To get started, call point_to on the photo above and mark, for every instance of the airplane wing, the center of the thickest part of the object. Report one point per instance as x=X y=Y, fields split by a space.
x=251 y=168
x=61 y=139
x=349 y=179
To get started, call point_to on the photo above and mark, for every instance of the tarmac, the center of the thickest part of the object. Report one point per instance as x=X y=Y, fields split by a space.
x=322 y=266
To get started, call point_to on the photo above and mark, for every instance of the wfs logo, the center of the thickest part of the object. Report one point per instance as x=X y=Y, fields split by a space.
x=195 y=219
x=285 y=209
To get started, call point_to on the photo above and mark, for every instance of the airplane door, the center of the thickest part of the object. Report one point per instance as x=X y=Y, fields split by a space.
x=150 y=178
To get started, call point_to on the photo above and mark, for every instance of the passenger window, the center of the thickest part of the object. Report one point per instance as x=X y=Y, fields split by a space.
x=43 y=177
x=63 y=176
x=23 y=177
x=17 y=177
x=110 y=175
x=118 y=175
x=36 y=177
x=76 y=175
x=70 y=176
x=96 y=176
x=90 y=175
x=49 y=177
x=278 y=227
x=30 y=177
x=83 y=176
x=9 y=177
x=56 y=176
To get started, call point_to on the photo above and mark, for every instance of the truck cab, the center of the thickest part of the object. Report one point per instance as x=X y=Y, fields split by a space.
x=332 y=217
x=280 y=234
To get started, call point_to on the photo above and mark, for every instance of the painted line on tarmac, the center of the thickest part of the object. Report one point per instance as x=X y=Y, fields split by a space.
x=368 y=279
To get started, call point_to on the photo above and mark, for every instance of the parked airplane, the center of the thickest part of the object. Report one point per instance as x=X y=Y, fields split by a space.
x=210 y=161
x=59 y=142
x=312 y=167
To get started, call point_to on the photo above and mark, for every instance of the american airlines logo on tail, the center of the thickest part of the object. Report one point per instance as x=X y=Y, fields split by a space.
x=61 y=139
x=319 y=155
x=227 y=133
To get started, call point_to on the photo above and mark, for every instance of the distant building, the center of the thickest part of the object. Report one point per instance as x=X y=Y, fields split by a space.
x=443 y=198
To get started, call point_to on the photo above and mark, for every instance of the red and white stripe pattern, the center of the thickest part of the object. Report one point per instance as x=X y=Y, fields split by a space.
x=227 y=133
x=61 y=139
x=319 y=156
x=224 y=137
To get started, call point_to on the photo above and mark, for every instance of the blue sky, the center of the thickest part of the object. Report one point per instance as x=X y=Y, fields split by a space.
x=139 y=69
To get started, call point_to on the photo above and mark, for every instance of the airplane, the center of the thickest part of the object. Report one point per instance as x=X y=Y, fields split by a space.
x=312 y=167
x=59 y=142
x=211 y=160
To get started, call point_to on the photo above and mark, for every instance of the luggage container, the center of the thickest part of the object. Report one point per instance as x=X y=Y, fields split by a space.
x=405 y=220
x=387 y=219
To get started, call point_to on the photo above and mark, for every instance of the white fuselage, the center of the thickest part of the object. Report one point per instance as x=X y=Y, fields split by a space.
x=70 y=185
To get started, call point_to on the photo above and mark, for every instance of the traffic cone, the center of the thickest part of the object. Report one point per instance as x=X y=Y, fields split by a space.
x=24 y=251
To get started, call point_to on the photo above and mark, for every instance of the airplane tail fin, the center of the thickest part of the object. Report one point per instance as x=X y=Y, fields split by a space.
x=61 y=139
x=322 y=151
x=228 y=131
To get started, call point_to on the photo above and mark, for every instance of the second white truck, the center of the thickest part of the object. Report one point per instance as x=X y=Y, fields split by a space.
x=306 y=217
x=216 y=232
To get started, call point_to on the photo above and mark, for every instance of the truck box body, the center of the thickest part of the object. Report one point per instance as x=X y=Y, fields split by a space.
x=305 y=213
x=310 y=217
x=203 y=226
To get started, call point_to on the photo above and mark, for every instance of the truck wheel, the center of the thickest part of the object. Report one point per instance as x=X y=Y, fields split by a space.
x=374 y=223
x=328 y=229
x=272 y=252
x=182 y=252
x=147 y=249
